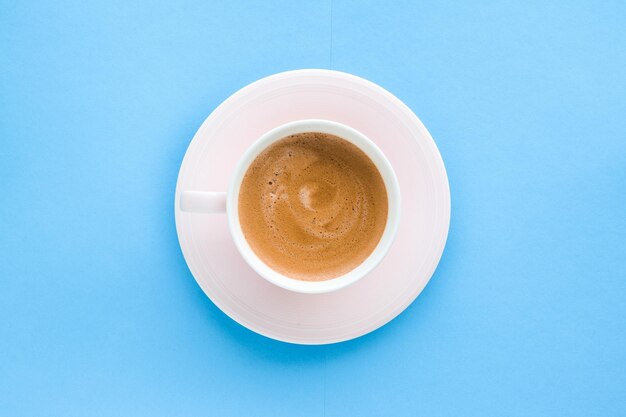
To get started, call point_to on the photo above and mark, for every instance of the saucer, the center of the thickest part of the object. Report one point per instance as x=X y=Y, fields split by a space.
x=377 y=298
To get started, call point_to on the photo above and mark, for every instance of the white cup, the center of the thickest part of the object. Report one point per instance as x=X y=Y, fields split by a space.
x=219 y=202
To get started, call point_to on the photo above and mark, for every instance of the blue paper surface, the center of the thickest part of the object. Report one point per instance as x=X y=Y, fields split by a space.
x=525 y=316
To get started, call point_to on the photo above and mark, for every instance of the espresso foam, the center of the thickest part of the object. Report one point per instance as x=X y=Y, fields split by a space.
x=312 y=206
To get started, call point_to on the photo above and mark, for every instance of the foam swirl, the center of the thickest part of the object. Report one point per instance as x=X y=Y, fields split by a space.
x=313 y=206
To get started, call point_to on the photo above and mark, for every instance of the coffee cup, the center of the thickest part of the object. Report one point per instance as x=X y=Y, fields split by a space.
x=228 y=202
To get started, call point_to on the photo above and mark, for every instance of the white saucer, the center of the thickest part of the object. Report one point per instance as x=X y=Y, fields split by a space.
x=377 y=298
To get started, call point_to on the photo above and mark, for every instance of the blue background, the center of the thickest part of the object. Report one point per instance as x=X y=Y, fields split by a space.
x=525 y=316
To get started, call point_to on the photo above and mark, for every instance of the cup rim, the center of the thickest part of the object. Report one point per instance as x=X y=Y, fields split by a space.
x=371 y=150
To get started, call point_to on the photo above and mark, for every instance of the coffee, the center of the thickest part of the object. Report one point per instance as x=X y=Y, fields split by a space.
x=312 y=206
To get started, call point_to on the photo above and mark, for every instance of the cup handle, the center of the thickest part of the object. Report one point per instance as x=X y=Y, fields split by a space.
x=202 y=202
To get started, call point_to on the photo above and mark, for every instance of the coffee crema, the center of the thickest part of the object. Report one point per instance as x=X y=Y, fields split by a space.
x=312 y=206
